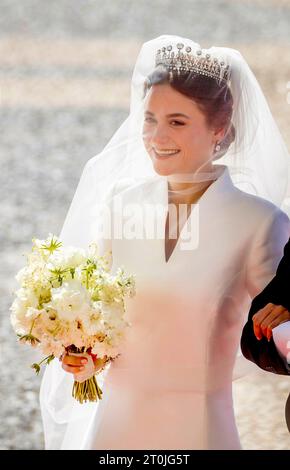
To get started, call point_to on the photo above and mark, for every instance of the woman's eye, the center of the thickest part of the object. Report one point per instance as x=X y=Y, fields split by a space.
x=179 y=123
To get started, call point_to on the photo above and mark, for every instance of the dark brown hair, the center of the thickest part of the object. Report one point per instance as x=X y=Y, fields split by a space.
x=213 y=99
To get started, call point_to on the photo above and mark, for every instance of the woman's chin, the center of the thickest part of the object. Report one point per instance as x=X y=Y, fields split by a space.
x=162 y=168
x=162 y=171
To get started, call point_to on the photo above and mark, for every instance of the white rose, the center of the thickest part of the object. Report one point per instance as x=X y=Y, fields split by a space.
x=71 y=300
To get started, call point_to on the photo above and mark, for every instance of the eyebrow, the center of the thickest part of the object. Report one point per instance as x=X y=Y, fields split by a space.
x=170 y=115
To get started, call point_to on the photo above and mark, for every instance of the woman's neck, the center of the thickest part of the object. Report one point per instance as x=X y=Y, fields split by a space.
x=187 y=193
x=193 y=186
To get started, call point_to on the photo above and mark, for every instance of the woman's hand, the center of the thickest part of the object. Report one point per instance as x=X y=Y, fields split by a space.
x=82 y=365
x=268 y=318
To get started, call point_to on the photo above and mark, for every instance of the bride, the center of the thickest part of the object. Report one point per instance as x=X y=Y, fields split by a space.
x=202 y=239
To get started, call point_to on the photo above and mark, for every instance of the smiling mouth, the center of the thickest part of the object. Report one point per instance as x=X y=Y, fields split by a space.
x=168 y=153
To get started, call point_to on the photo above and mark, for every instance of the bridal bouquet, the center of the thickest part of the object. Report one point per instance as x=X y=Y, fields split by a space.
x=69 y=302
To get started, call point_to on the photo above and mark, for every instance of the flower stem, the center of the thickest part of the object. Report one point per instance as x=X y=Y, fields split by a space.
x=87 y=390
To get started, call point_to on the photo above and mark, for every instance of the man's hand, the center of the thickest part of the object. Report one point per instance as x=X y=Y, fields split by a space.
x=268 y=318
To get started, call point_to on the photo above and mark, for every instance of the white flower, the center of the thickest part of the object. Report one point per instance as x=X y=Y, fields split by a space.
x=24 y=301
x=113 y=314
x=68 y=257
x=32 y=313
x=68 y=296
x=93 y=323
x=27 y=297
x=71 y=300
x=21 y=275
x=102 y=349
x=93 y=251
x=51 y=346
x=19 y=325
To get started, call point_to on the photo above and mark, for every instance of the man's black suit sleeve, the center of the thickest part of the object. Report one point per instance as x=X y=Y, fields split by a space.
x=263 y=352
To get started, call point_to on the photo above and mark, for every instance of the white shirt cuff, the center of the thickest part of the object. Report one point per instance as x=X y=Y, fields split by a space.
x=281 y=337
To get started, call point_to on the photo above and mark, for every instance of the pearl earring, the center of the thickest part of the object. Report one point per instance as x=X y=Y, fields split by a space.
x=217 y=147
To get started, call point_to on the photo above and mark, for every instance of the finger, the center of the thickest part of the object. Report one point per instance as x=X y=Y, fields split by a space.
x=281 y=319
x=73 y=369
x=257 y=332
x=262 y=313
x=269 y=334
x=259 y=317
x=276 y=313
x=266 y=315
x=74 y=360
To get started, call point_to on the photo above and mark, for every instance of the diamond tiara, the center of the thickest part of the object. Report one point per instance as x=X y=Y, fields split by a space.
x=189 y=62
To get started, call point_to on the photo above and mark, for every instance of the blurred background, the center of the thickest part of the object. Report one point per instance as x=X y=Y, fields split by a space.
x=65 y=72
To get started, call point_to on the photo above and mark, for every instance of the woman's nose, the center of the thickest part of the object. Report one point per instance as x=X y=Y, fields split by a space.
x=159 y=135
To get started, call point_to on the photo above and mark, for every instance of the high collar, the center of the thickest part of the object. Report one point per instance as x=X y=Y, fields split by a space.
x=222 y=186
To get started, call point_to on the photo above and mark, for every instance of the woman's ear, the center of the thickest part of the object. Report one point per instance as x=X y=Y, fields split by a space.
x=219 y=134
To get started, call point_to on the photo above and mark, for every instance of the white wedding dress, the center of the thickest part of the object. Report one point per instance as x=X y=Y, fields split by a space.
x=171 y=388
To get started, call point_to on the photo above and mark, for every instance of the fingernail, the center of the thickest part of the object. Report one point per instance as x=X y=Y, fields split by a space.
x=84 y=361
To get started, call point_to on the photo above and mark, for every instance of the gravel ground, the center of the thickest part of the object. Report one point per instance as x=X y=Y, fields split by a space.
x=62 y=64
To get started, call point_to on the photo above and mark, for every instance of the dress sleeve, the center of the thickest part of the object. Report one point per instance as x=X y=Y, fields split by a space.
x=267 y=251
